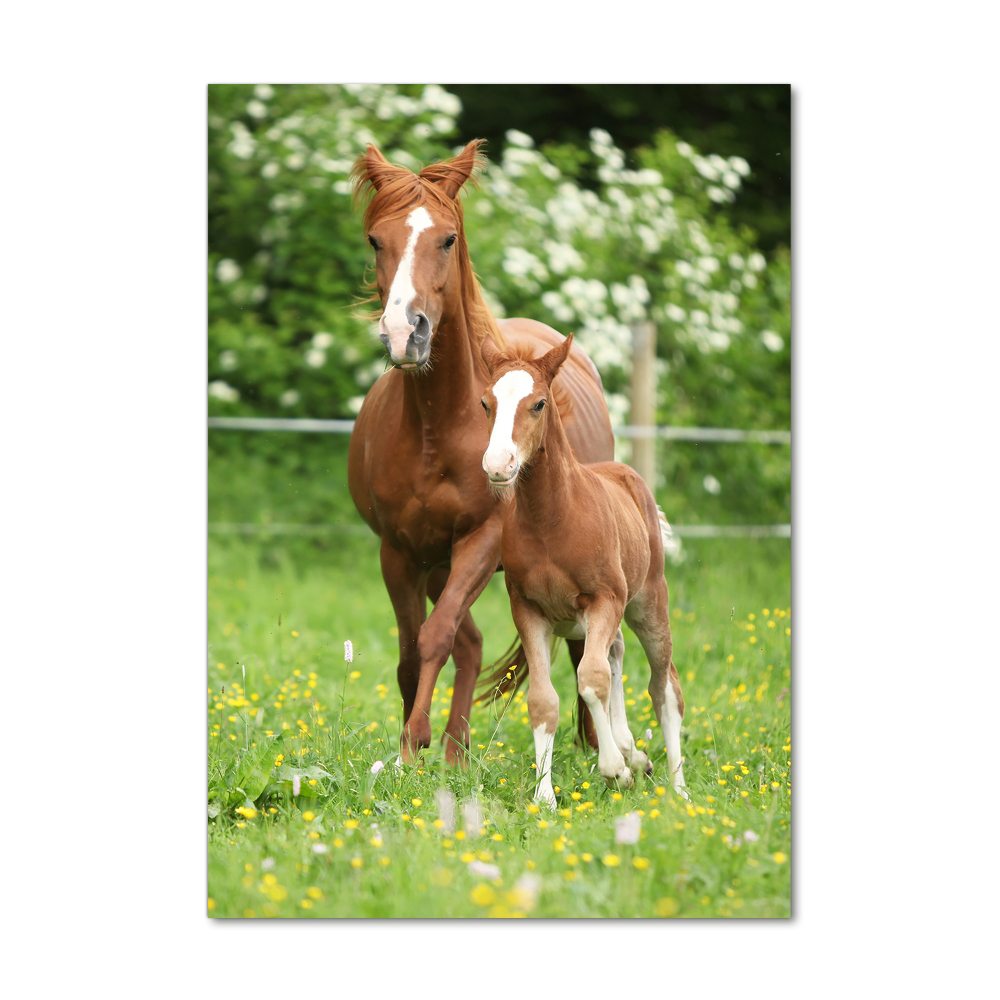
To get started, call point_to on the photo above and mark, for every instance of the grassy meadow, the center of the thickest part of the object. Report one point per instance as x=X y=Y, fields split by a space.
x=300 y=826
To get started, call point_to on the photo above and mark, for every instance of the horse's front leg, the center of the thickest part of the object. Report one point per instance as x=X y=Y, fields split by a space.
x=473 y=561
x=468 y=656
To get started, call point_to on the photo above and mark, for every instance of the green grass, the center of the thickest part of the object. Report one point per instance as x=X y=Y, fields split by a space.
x=337 y=719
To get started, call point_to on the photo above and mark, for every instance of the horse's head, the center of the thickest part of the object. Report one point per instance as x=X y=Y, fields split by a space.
x=517 y=408
x=414 y=224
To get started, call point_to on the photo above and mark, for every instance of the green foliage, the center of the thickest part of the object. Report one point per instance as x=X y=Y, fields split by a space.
x=566 y=235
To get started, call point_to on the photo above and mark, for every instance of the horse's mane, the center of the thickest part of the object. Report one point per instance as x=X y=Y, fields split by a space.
x=393 y=191
x=525 y=351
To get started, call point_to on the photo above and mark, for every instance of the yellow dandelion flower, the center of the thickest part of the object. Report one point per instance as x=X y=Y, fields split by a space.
x=483 y=895
x=497 y=836
x=666 y=907
x=417 y=802
x=641 y=863
x=309 y=815
x=533 y=809
x=211 y=903
x=385 y=862
x=780 y=857
x=356 y=862
x=611 y=860
x=617 y=796
x=351 y=824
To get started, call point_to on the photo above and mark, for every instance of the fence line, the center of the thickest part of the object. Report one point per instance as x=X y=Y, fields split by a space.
x=303 y=425
x=683 y=530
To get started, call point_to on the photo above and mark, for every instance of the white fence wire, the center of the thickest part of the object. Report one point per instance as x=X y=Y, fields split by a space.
x=307 y=426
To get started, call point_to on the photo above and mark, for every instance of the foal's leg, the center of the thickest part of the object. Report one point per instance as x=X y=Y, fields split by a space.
x=407 y=591
x=595 y=683
x=543 y=702
x=634 y=757
x=468 y=656
x=586 y=733
x=649 y=618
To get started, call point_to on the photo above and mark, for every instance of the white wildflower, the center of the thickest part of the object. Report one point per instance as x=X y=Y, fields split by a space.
x=712 y=485
x=627 y=828
x=348 y=651
x=317 y=849
x=289 y=397
x=483 y=869
x=377 y=766
x=446 y=810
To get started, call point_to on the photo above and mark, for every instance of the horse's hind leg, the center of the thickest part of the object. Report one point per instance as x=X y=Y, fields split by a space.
x=586 y=734
x=648 y=615
x=634 y=757
x=407 y=591
x=468 y=656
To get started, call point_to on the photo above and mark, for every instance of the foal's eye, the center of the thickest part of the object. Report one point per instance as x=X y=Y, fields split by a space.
x=537 y=408
x=485 y=407
x=375 y=245
x=449 y=243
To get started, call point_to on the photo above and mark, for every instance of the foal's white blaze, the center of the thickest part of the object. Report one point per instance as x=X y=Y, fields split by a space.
x=543 y=762
x=401 y=293
x=501 y=460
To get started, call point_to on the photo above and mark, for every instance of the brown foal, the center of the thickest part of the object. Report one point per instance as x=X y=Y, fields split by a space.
x=414 y=460
x=582 y=548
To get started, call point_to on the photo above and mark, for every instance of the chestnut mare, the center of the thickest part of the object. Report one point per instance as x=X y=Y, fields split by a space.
x=414 y=464
x=582 y=547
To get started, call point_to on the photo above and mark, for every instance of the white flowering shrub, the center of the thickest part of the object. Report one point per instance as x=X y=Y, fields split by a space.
x=651 y=244
x=573 y=237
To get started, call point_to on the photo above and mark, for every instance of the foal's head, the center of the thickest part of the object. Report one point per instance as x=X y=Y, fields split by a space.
x=517 y=403
x=414 y=224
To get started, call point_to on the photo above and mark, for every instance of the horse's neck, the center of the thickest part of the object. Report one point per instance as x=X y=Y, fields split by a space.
x=545 y=493
x=442 y=398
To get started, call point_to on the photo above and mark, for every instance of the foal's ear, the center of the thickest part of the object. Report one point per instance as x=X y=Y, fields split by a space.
x=451 y=174
x=491 y=354
x=551 y=363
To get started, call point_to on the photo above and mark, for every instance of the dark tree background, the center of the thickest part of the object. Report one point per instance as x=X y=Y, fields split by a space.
x=749 y=120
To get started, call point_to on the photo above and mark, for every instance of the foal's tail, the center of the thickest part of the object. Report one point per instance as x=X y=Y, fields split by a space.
x=671 y=542
x=504 y=676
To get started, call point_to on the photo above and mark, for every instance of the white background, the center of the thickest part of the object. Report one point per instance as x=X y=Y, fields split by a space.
x=895 y=600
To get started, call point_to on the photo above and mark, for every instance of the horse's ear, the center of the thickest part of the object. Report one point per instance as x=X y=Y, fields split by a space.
x=372 y=170
x=491 y=354
x=451 y=174
x=551 y=363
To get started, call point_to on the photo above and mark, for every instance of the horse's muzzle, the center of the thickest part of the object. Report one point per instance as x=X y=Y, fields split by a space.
x=418 y=345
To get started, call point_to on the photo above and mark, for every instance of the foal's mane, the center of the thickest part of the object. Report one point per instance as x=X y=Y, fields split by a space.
x=393 y=191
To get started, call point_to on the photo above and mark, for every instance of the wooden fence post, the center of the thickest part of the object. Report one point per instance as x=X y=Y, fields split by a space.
x=644 y=400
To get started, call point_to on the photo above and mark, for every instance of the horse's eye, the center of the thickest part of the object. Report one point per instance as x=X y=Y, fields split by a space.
x=373 y=243
x=539 y=406
x=448 y=243
x=485 y=407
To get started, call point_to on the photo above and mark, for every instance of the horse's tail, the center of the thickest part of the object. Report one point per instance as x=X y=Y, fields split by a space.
x=504 y=676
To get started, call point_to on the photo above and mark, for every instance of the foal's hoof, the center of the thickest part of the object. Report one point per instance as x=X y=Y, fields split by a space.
x=623 y=779
x=640 y=763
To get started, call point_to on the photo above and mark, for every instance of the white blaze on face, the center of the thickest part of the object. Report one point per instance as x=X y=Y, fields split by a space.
x=401 y=293
x=501 y=460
